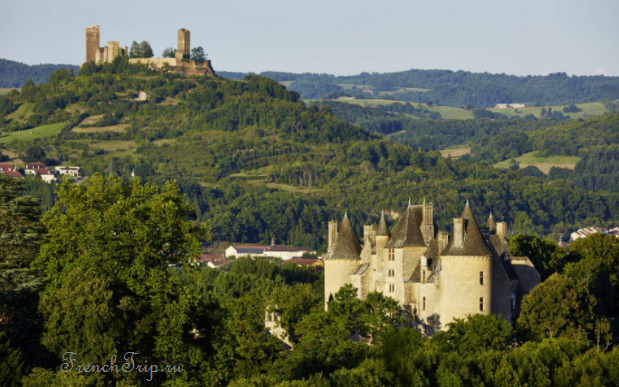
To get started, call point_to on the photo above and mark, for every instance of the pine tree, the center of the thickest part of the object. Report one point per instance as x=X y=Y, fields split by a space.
x=11 y=364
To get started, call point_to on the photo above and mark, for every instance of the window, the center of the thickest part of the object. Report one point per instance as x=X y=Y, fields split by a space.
x=423 y=277
x=391 y=288
x=423 y=307
x=481 y=304
x=391 y=273
x=391 y=255
x=270 y=317
x=481 y=277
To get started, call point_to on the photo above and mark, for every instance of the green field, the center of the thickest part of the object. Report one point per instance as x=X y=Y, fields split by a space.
x=447 y=112
x=455 y=151
x=542 y=163
x=31 y=134
x=592 y=109
x=5 y=91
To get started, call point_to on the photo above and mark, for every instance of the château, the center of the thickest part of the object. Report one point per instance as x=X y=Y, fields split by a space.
x=434 y=277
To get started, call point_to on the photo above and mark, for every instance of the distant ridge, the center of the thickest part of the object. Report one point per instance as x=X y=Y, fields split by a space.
x=14 y=74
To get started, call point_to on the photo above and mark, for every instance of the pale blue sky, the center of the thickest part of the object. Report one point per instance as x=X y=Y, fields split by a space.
x=335 y=36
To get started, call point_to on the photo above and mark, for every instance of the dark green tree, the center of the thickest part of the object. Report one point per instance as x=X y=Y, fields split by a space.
x=198 y=54
x=146 y=50
x=135 y=50
x=168 y=53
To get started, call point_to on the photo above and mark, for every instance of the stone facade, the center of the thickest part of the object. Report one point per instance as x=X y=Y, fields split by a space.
x=434 y=277
x=184 y=45
x=92 y=43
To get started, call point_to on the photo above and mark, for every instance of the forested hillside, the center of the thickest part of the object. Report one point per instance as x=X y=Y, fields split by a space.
x=15 y=74
x=222 y=139
x=457 y=88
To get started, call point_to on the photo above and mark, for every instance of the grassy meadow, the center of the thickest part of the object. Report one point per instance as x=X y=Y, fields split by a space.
x=31 y=134
x=591 y=109
x=542 y=163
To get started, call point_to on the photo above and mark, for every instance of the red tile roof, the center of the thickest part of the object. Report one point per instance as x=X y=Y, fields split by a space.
x=6 y=167
x=37 y=165
x=12 y=173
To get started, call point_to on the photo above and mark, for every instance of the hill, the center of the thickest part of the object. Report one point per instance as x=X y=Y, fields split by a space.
x=454 y=88
x=15 y=74
x=260 y=164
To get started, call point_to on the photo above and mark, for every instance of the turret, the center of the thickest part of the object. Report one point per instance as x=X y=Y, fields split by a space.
x=382 y=235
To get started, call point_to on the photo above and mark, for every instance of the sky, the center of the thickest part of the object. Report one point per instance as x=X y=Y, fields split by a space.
x=341 y=37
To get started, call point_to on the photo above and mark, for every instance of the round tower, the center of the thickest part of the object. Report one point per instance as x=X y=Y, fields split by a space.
x=466 y=272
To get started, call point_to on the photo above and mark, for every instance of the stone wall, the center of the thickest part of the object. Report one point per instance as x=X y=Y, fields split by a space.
x=337 y=274
x=92 y=42
x=460 y=289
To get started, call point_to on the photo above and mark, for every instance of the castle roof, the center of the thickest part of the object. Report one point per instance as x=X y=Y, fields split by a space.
x=407 y=232
x=474 y=242
x=347 y=244
x=382 y=227
x=491 y=225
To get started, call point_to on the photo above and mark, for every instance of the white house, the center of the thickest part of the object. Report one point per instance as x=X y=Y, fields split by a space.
x=142 y=96
x=272 y=251
x=584 y=232
x=71 y=171
x=41 y=169
x=509 y=105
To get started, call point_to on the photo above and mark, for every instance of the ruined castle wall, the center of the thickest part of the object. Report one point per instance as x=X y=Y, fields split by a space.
x=92 y=42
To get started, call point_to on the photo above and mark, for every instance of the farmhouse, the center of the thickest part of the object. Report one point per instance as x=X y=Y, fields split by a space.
x=584 y=232
x=509 y=105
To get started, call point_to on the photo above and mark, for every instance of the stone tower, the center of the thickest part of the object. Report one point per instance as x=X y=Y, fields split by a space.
x=92 y=42
x=466 y=273
x=184 y=44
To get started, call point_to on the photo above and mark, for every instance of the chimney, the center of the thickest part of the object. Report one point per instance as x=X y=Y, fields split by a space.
x=458 y=232
x=369 y=234
x=501 y=229
x=332 y=235
x=427 y=229
x=443 y=239
x=272 y=241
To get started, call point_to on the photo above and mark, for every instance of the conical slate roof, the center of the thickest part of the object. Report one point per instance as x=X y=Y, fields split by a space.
x=407 y=232
x=491 y=225
x=347 y=244
x=382 y=227
x=474 y=242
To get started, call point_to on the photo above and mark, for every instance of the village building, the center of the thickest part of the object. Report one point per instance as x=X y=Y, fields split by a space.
x=585 y=232
x=71 y=171
x=509 y=105
x=435 y=277
x=142 y=96
x=40 y=169
x=9 y=170
x=213 y=261
x=273 y=251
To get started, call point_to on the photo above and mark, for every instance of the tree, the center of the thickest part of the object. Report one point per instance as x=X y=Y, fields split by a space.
x=146 y=50
x=546 y=255
x=543 y=112
x=135 y=51
x=559 y=306
x=597 y=268
x=474 y=334
x=198 y=54
x=11 y=364
x=168 y=53
x=21 y=234
x=107 y=255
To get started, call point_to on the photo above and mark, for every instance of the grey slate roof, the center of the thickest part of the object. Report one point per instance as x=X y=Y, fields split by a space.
x=407 y=232
x=346 y=244
x=361 y=269
x=474 y=242
x=491 y=225
x=382 y=227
